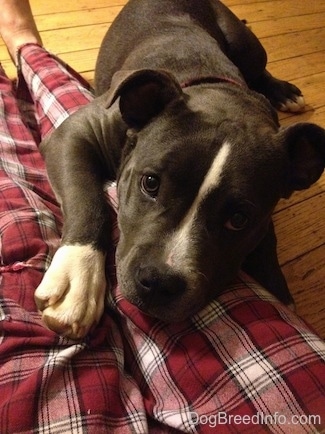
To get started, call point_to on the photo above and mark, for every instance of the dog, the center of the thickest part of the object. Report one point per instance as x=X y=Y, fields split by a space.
x=185 y=120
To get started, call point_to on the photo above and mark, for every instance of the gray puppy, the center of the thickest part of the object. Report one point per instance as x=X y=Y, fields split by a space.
x=183 y=121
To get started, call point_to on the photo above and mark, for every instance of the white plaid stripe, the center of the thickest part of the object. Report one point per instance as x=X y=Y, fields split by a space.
x=49 y=102
x=61 y=388
x=151 y=360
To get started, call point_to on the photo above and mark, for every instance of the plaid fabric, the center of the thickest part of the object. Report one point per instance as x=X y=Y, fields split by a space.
x=244 y=364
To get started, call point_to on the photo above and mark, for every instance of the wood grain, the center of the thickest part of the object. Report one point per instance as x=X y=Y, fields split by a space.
x=293 y=32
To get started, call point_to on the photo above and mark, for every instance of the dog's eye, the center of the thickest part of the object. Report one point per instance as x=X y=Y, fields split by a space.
x=150 y=185
x=237 y=222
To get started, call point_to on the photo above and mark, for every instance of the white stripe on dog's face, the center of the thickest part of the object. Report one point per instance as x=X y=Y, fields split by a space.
x=179 y=243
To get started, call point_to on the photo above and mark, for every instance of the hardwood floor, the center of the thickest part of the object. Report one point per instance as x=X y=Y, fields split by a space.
x=293 y=33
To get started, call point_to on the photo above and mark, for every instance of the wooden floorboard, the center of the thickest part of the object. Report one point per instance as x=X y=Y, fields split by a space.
x=293 y=32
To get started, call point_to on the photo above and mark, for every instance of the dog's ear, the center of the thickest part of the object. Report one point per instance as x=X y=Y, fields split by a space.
x=143 y=94
x=305 y=146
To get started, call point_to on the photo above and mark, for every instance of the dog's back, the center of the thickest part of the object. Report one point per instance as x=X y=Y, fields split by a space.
x=161 y=35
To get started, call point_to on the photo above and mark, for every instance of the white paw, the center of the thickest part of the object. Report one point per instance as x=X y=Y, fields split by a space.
x=72 y=293
x=294 y=105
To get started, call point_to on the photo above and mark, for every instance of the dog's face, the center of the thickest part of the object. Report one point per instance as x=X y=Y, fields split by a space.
x=197 y=186
x=196 y=191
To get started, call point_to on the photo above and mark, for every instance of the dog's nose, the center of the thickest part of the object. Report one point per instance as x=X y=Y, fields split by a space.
x=162 y=285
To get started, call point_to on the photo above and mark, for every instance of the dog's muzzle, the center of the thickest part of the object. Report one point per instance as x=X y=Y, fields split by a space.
x=158 y=286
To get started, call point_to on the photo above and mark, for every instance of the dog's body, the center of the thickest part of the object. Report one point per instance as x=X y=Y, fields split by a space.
x=200 y=161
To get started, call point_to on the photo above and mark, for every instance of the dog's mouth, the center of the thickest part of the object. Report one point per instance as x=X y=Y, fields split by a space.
x=176 y=310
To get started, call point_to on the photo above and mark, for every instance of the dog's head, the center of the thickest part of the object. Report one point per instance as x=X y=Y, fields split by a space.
x=201 y=173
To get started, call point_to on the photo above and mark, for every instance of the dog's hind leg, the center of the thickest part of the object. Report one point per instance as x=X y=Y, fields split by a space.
x=245 y=50
x=241 y=45
x=283 y=95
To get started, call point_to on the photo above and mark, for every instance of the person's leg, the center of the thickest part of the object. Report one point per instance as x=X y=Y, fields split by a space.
x=17 y=26
x=29 y=215
x=13 y=130
x=57 y=91
x=52 y=381
x=28 y=202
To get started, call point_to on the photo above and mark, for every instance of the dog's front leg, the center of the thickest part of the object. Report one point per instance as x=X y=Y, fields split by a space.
x=72 y=293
